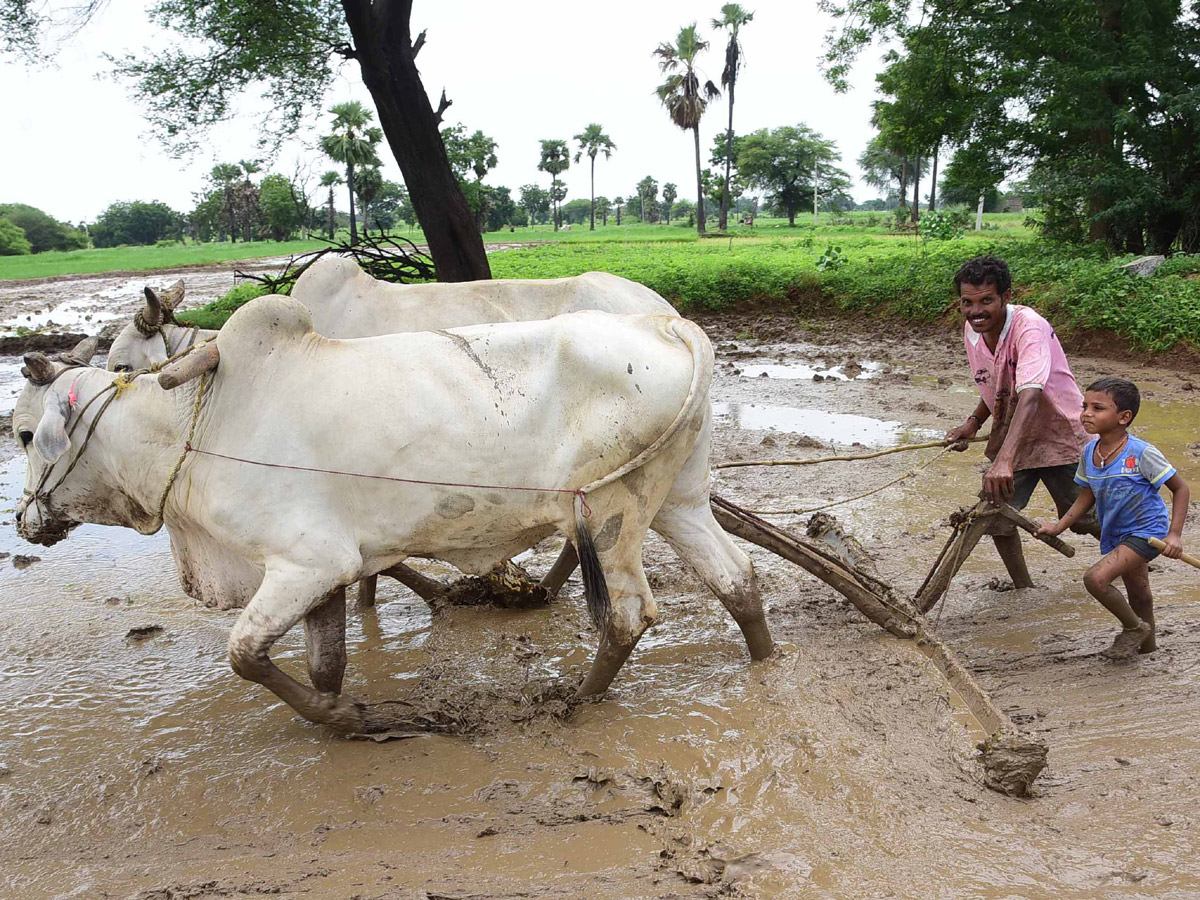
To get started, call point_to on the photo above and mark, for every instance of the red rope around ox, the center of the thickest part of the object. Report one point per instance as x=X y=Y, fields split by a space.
x=587 y=510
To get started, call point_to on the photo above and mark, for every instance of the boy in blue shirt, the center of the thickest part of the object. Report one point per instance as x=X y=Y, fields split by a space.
x=1122 y=475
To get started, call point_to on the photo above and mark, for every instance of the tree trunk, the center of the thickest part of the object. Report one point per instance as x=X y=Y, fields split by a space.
x=979 y=214
x=791 y=217
x=916 y=207
x=350 y=187
x=232 y=215
x=332 y=216
x=933 y=184
x=728 y=160
x=904 y=182
x=815 y=207
x=618 y=215
x=383 y=48
x=699 y=183
x=604 y=215
x=592 y=227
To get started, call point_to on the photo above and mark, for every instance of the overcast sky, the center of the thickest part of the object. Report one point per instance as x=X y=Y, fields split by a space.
x=520 y=70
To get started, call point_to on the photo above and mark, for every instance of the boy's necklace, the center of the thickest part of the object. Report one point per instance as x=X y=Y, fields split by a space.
x=1106 y=458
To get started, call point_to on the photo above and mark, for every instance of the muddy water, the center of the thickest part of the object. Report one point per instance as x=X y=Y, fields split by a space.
x=842 y=768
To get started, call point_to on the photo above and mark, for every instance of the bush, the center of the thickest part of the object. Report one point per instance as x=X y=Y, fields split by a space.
x=941 y=225
x=12 y=239
x=215 y=314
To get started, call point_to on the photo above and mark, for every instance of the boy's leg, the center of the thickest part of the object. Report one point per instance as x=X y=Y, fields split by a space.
x=1098 y=581
x=1141 y=601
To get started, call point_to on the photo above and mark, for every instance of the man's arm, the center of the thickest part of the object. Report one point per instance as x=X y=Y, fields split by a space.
x=998 y=482
x=959 y=436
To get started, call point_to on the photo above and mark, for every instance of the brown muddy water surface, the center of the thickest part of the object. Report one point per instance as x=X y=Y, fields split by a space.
x=140 y=766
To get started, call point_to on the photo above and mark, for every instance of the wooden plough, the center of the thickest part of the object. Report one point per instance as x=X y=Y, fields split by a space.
x=1011 y=759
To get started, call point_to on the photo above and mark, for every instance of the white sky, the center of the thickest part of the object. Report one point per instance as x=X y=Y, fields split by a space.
x=520 y=70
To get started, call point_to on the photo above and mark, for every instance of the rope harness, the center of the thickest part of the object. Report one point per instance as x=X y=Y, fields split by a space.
x=40 y=496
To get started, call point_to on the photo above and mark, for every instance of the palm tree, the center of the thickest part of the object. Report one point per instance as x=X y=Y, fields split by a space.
x=225 y=175
x=556 y=158
x=733 y=17
x=352 y=143
x=670 y=192
x=367 y=186
x=331 y=180
x=683 y=95
x=593 y=140
x=618 y=202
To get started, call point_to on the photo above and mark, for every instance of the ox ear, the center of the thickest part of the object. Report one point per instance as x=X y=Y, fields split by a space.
x=50 y=440
x=81 y=354
x=38 y=368
x=173 y=296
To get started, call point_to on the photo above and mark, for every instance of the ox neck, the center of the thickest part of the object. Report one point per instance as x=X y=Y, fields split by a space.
x=133 y=449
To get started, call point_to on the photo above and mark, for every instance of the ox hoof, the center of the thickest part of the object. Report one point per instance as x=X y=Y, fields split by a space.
x=340 y=713
x=400 y=717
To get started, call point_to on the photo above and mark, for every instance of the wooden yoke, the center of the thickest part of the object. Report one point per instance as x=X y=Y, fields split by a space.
x=204 y=358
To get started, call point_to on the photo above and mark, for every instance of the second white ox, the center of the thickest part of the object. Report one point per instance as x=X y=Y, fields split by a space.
x=613 y=406
x=346 y=302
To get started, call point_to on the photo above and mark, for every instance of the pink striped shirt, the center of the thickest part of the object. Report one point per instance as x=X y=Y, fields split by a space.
x=1028 y=355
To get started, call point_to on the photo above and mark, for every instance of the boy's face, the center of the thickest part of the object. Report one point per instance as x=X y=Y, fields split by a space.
x=984 y=307
x=1100 y=414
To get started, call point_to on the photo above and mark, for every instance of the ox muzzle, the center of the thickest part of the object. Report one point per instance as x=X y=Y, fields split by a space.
x=38 y=524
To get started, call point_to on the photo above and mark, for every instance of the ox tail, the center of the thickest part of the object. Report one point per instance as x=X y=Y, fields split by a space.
x=697 y=342
x=595 y=588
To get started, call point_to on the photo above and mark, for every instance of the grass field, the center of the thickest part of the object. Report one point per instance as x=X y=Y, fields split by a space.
x=852 y=262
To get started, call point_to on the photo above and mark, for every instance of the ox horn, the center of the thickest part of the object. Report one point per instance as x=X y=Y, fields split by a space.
x=152 y=315
x=38 y=368
x=173 y=296
x=81 y=354
x=203 y=359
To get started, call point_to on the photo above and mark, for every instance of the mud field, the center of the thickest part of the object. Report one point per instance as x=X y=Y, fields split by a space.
x=133 y=763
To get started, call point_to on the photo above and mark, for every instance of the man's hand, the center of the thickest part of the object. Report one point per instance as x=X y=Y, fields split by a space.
x=1174 y=548
x=958 y=437
x=998 y=482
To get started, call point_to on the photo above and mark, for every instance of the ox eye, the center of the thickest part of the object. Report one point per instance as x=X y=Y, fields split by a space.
x=26 y=437
x=122 y=368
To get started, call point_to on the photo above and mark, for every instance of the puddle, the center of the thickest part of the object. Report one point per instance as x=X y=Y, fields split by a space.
x=11 y=383
x=839 y=428
x=864 y=370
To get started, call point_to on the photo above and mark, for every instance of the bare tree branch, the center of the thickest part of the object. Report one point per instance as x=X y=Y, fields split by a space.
x=443 y=105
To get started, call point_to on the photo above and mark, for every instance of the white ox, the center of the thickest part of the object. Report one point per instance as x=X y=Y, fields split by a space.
x=614 y=406
x=346 y=302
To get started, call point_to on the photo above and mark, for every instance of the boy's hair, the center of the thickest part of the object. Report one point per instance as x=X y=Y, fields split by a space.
x=1124 y=393
x=983 y=270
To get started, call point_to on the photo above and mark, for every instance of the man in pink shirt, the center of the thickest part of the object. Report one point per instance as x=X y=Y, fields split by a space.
x=1027 y=388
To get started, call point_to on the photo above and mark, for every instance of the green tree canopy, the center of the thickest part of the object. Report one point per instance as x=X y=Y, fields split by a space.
x=136 y=223
x=1097 y=99
x=783 y=162
x=12 y=239
x=279 y=209
x=42 y=231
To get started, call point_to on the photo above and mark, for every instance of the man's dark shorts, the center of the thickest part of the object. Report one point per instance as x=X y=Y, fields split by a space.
x=1060 y=482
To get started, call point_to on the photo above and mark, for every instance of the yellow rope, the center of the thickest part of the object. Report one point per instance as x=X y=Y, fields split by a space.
x=862 y=496
x=187 y=446
x=813 y=460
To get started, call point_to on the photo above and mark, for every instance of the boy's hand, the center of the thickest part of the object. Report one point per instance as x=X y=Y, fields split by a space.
x=1045 y=530
x=1174 y=546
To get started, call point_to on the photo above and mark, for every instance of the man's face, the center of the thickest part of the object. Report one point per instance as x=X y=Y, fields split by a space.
x=984 y=307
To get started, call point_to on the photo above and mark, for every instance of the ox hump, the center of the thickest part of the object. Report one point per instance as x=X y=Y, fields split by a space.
x=263 y=323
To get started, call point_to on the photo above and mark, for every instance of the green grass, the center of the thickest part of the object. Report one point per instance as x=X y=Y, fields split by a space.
x=877 y=271
x=137 y=259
